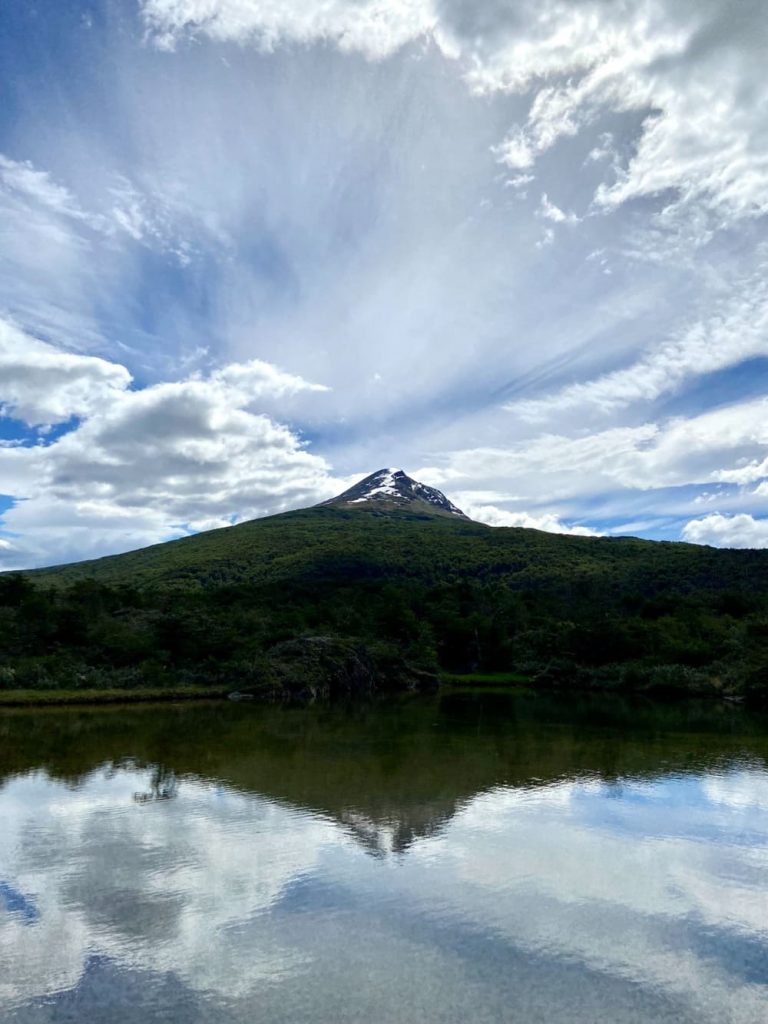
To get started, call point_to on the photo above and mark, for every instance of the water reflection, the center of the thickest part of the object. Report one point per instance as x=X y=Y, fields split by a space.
x=432 y=860
x=163 y=785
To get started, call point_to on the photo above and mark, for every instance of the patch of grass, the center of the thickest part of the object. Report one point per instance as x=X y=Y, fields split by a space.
x=485 y=679
x=51 y=698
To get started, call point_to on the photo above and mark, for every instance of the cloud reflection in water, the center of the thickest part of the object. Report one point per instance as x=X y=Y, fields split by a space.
x=577 y=899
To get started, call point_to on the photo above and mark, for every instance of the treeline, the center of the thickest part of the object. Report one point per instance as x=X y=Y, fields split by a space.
x=577 y=633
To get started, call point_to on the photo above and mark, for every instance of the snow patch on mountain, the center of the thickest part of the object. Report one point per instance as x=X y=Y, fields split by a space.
x=395 y=488
x=388 y=483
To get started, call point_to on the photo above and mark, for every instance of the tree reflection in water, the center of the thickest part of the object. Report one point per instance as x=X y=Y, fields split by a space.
x=163 y=785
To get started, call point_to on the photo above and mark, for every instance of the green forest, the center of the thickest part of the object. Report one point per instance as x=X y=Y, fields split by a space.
x=329 y=600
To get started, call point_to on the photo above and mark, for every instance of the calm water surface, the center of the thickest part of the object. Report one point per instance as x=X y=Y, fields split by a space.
x=457 y=859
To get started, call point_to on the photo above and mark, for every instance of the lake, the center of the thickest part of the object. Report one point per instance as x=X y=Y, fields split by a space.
x=467 y=857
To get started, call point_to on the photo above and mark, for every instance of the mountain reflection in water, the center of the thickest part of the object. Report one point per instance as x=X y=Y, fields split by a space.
x=464 y=857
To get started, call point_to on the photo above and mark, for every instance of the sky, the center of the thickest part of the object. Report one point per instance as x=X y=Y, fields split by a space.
x=253 y=250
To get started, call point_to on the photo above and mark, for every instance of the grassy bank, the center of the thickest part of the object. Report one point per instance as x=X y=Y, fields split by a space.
x=485 y=679
x=53 y=698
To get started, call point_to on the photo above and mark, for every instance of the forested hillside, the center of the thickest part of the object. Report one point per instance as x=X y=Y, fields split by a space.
x=274 y=603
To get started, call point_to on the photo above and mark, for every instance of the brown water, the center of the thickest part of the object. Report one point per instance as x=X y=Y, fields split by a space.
x=459 y=858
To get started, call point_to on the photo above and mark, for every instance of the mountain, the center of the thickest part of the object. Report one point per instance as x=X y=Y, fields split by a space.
x=389 y=570
x=392 y=489
x=390 y=528
x=381 y=527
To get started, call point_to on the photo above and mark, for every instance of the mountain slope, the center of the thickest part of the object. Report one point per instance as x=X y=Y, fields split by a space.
x=374 y=542
x=357 y=590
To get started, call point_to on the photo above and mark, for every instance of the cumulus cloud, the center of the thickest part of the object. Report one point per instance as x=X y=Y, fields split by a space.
x=549 y=522
x=42 y=385
x=143 y=465
x=190 y=447
x=376 y=27
x=728 y=531
x=257 y=378
x=516 y=152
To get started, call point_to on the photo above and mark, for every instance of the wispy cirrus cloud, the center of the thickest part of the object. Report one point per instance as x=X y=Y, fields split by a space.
x=736 y=331
x=24 y=179
x=697 y=140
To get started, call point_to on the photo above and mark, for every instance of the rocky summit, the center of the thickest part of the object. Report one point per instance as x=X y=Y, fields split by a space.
x=389 y=489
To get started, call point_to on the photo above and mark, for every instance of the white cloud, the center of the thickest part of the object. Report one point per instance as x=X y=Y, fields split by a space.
x=374 y=27
x=559 y=473
x=694 y=68
x=551 y=464
x=549 y=522
x=65 y=258
x=256 y=378
x=746 y=471
x=23 y=177
x=190 y=447
x=41 y=385
x=516 y=153
x=144 y=465
x=46 y=284
x=519 y=183
x=733 y=531
x=736 y=331
x=698 y=449
x=549 y=211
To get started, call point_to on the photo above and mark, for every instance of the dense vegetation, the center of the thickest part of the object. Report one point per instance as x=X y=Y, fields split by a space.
x=328 y=598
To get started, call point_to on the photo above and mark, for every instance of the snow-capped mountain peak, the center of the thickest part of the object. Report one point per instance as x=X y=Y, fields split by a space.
x=392 y=488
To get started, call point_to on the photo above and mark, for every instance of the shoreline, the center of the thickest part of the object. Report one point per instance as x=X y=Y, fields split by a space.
x=64 y=698
x=511 y=682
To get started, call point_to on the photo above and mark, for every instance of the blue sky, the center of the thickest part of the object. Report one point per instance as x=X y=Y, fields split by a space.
x=253 y=251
